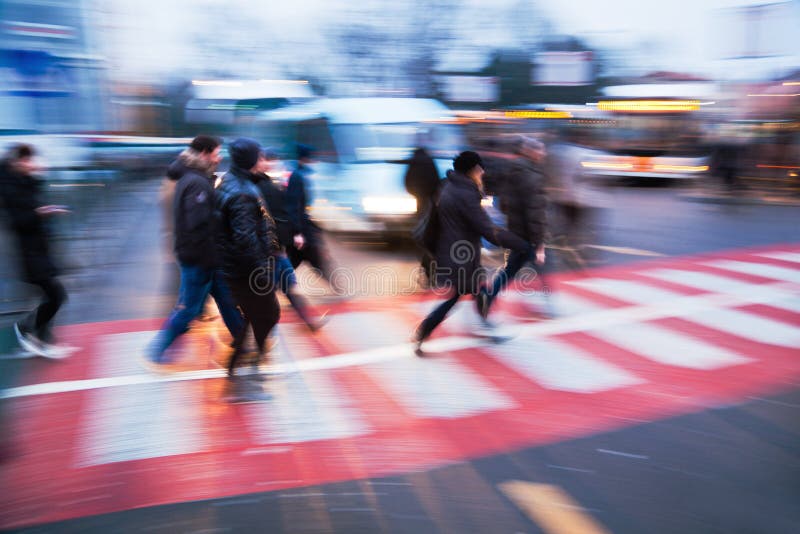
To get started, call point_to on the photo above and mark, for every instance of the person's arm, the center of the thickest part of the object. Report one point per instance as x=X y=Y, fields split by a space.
x=482 y=224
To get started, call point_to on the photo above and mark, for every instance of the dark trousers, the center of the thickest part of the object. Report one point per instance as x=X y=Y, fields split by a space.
x=38 y=321
x=438 y=315
x=514 y=264
x=261 y=311
x=315 y=253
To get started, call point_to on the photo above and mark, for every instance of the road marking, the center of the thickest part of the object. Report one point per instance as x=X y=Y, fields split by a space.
x=551 y=508
x=669 y=347
x=627 y=250
x=749 y=326
x=626 y=290
x=701 y=280
x=759 y=269
x=438 y=388
x=708 y=304
x=126 y=424
x=624 y=454
x=304 y=407
x=785 y=256
x=556 y=365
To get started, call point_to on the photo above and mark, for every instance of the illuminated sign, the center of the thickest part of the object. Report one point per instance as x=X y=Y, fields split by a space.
x=649 y=106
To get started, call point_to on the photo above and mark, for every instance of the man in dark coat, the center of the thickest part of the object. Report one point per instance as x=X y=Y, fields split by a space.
x=462 y=223
x=523 y=200
x=307 y=244
x=194 y=230
x=274 y=195
x=248 y=245
x=20 y=191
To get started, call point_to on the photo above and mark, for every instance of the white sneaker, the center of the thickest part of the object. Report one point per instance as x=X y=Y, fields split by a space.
x=58 y=352
x=29 y=343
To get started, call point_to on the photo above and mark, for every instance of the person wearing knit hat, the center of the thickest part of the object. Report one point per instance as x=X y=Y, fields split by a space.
x=248 y=246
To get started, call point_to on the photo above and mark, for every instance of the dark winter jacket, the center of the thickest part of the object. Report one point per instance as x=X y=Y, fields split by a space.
x=275 y=197
x=193 y=213
x=298 y=199
x=523 y=200
x=462 y=223
x=20 y=196
x=247 y=238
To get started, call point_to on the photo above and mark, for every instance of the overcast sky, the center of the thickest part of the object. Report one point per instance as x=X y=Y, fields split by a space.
x=685 y=35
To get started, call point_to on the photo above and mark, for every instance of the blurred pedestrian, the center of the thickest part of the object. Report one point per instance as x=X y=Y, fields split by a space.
x=462 y=223
x=21 y=190
x=274 y=194
x=422 y=181
x=248 y=246
x=523 y=200
x=195 y=231
x=307 y=242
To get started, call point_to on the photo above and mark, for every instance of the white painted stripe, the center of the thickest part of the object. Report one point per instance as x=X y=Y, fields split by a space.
x=365 y=330
x=556 y=365
x=149 y=421
x=785 y=256
x=791 y=304
x=668 y=347
x=759 y=269
x=304 y=407
x=627 y=290
x=120 y=354
x=704 y=281
x=438 y=387
x=678 y=307
x=749 y=326
x=563 y=303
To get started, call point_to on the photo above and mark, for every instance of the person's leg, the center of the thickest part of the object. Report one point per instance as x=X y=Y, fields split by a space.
x=261 y=312
x=435 y=318
x=515 y=262
x=38 y=321
x=195 y=286
x=231 y=315
x=286 y=279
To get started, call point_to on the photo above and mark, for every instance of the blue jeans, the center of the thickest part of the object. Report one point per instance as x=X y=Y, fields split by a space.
x=284 y=275
x=514 y=264
x=196 y=284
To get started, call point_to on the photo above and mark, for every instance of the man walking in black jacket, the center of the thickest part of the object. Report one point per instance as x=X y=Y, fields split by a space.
x=20 y=192
x=248 y=244
x=462 y=223
x=195 y=246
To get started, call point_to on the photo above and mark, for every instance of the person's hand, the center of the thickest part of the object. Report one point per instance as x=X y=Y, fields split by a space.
x=52 y=209
x=299 y=241
x=540 y=257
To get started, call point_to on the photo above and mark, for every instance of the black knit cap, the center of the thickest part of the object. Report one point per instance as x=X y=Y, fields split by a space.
x=244 y=152
x=205 y=143
x=466 y=161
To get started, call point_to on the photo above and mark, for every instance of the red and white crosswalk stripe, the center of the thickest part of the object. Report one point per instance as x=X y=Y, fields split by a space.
x=638 y=342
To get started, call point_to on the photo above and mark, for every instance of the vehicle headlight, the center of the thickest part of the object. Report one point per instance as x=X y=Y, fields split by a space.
x=399 y=205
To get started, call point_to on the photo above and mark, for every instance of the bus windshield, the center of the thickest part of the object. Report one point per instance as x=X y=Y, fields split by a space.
x=386 y=142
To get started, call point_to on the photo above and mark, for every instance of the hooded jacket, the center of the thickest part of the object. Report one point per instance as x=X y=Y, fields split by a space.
x=193 y=211
x=523 y=200
x=247 y=238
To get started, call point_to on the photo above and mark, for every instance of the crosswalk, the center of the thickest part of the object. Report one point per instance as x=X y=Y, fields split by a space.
x=643 y=340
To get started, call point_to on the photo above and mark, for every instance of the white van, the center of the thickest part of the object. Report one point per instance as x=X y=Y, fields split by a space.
x=361 y=145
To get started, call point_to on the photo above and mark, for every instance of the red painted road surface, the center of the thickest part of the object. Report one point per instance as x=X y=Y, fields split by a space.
x=96 y=433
